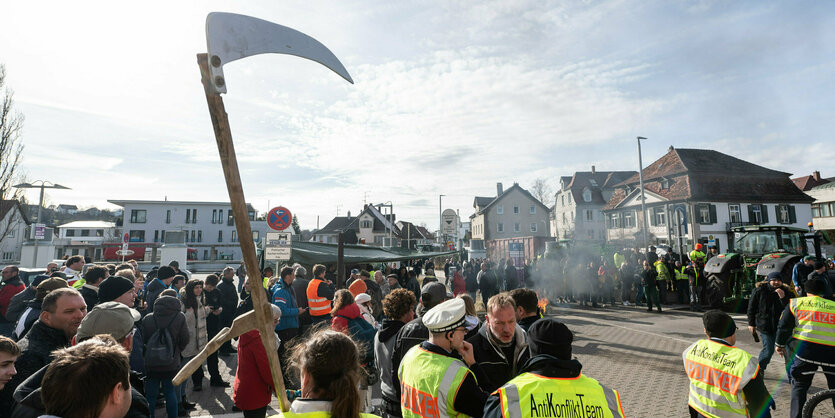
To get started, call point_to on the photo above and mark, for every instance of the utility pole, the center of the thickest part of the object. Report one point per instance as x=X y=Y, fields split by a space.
x=440 y=218
x=643 y=199
x=42 y=186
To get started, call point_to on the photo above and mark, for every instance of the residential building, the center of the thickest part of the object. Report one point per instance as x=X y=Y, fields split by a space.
x=807 y=183
x=13 y=224
x=371 y=227
x=68 y=209
x=577 y=214
x=512 y=216
x=413 y=236
x=698 y=195
x=84 y=238
x=823 y=212
x=209 y=227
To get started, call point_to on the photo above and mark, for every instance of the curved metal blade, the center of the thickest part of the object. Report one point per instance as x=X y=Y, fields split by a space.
x=231 y=36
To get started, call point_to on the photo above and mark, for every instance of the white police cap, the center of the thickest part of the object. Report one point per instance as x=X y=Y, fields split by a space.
x=446 y=316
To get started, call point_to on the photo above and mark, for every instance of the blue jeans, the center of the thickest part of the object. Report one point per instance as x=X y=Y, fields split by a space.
x=152 y=388
x=639 y=295
x=767 y=351
x=801 y=383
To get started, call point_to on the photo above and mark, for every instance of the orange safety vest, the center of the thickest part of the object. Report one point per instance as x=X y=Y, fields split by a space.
x=318 y=305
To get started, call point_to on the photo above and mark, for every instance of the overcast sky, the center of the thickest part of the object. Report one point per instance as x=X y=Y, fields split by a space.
x=450 y=96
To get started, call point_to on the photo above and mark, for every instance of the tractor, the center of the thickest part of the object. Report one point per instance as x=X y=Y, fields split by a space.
x=757 y=250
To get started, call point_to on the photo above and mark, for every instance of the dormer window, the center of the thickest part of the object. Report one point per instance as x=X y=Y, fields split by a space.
x=587 y=195
x=665 y=184
x=593 y=182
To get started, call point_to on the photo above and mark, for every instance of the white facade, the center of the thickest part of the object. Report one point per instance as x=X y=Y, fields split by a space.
x=88 y=231
x=209 y=226
x=823 y=209
x=13 y=233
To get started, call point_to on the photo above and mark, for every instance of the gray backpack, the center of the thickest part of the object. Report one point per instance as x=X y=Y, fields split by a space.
x=159 y=351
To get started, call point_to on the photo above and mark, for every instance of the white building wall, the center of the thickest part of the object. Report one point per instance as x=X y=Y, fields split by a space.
x=12 y=243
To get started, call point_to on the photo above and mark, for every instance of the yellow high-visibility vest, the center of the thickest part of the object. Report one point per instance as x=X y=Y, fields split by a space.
x=717 y=375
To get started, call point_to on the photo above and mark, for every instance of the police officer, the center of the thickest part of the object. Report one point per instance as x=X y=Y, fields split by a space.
x=552 y=379
x=724 y=380
x=439 y=377
x=806 y=325
x=682 y=281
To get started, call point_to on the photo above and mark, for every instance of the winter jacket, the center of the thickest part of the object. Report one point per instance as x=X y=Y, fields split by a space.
x=284 y=297
x=800 y=272
x=168 y=312
x=9 y=288
x=229 y=302
x=27 y=319
x=459 y=285
x=18 y=302
x=820 y=354
x=765 y=307
x=253 y=382
x=470 y=278
x=383 y=347
x=373 y=290
x=90 y=294
x=493 y=360
x=487 y=282
x=36 y=352
x=198 y=336
x=511 y=278
x=648 y=277
x=30 y=404
x=152 y=291
x=410 y=335
x=340 y=321
x=413 y=286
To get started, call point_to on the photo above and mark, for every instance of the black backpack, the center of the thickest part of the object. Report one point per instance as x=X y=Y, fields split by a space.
x=159 y=351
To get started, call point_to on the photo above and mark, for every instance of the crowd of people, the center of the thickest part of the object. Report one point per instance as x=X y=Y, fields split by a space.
x=127 y=334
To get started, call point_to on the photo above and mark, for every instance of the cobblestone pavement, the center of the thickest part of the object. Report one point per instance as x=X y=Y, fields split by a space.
x=626 y=348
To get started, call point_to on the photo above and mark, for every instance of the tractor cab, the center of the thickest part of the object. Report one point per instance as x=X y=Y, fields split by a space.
x=757 y=241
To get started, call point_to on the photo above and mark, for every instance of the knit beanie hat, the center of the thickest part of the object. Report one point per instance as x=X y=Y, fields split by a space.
x=549 y=336
x=165 y=272
x=113 y=287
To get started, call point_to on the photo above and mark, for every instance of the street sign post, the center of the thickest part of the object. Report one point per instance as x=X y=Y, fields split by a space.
x=449 y=224
x=279 y=218
x=278 y=246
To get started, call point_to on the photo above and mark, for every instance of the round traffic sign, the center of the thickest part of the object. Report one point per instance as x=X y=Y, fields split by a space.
x=124 y=252
x=279 y=218
x=126 y=237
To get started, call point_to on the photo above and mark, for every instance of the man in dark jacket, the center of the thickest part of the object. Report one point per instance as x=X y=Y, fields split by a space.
x=34 y=306
x=648 y=282
x=801 y=272
x=470 y=280
x=168 y=313
x=819 y=273
x=511 y=277
x=373 y=290
x=165 y=275
x=213 y=327
x=112 y=318
x=415 y=332
x=766 y=305
x=63 y=310
x=487 y=282
x=11 y=285
x=300 y=288
x=500 y=346
x=90 y=289
x=399 y=306
x=17 y=305
x=229 y=303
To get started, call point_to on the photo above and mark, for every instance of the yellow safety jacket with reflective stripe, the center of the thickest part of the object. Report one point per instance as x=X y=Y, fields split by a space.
x=814 y=319
x=718 y=373
x=317 y=414
x=428 y=384
x=530 y=395
x=680 y=274
x=663 y=272
x=318 y=305
x=697 y=256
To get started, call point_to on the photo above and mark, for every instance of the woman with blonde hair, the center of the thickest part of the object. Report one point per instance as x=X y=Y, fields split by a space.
x=329 y=367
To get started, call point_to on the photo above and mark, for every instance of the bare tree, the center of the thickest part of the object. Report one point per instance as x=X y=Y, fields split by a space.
x=11 y=150
x=541 y=190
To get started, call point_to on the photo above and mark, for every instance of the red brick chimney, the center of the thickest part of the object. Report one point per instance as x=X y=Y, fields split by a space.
x=816 y=175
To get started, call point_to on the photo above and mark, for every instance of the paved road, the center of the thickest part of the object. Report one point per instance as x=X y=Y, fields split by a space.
x=626 y=348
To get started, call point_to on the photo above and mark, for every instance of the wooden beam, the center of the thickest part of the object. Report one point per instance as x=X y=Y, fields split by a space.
x=226 y=149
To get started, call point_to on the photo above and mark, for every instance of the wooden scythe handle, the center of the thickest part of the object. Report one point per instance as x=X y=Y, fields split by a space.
x=241 y=325
x=226 y=149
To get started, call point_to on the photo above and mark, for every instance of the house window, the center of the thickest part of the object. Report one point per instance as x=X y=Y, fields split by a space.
x=100 y=232
x=589 y=215
x=85 y=232
x=137 y=216
x=168 y=216
x=735 y=213
x=563 y=218
x=586 y=195
x=137 y=235
x=515 y=210
x=532 y=210
x=660 y=216
x=756 y=214
x=786 y=214
x=219 y=236
x=234 y=236
x=205 y=254
x=156 y=235
x=500 y=227
x=569 y=199
x=230 y=219
x=220 y=216
x=194 y=216
x=256 y=235
x=8 y=255
x=533 y=226
x=188 y=215
x=366 y=224
x=816 y=211
x=826 y=209
x=562 y=200
x=572 y=216
x=193 y=236
x=162 y=236
x=378 y=239
x=70 y=233
x=516 y=227
x=214 y=216
x=499 y=210
x=629 y=219
x=706 y=213
x=614 y=220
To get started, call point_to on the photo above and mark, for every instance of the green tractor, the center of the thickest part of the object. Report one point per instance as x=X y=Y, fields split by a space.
x=758 y=250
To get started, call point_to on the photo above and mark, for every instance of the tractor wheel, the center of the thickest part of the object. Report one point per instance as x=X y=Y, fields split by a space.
x=717 y=291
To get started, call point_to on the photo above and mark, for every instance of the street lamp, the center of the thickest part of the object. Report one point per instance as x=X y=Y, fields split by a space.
x=42 y=186
x=391 y=218
x=440 y=218
x=643 y=200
